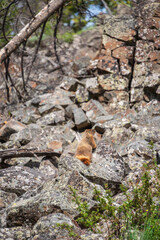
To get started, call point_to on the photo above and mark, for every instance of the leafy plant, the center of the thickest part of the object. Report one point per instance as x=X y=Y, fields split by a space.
x=137 y=216
x=70 y=229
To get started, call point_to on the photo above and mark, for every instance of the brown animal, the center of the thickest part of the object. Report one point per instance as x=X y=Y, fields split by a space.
x=84 y=149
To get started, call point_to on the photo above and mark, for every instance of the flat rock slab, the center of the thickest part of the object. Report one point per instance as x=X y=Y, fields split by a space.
x=19 y=179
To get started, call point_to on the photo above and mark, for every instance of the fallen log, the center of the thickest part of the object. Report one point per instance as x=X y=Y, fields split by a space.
x=27 y=152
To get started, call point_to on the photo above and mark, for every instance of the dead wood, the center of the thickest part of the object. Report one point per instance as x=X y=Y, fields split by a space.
x=26 y=152
x=30 y=28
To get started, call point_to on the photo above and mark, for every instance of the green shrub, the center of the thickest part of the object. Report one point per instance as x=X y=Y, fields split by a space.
x=138 y=216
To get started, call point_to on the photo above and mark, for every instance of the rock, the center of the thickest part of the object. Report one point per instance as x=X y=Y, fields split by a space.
x=120 y=30
x=6 y=198
x=47 y=227
x=92 y=86
x=107 y=167
x=56 y=146
x=80 y=119
x=122 y=53
x=19 y=179
x=108 y=64
x=143 y=50
x=53 y=102
x=113 y=82
x=69 y=110
x=117 y=101
x=149 y=133
x=69 y=83
x=19 y=233
x=23 y=137
x=9 y=128
x=49 y=167
x=95 y=110
x=82 y=94
x=52 y=196
x=53 y=118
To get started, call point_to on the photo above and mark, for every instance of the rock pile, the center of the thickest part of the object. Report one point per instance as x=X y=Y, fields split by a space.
x=119 y=98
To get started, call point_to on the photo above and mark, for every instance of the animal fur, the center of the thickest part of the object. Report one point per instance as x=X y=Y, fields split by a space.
x=84 y=149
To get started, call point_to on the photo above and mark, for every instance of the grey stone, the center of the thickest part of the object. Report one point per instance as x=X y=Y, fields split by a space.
x=69 y=83
x=80 y=119
x=52 y=196
x=113 y=82
x=19 y=233
x=6 y=198
x=82 y=94
x=19 y=179
x=69 y=110
x=53 y=118
x=23 y=137
x=9 y=128
x=47 y=227
x=95 y=110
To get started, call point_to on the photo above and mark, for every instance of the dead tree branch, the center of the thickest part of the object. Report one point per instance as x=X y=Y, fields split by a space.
x=31 y=27
x=26 y=152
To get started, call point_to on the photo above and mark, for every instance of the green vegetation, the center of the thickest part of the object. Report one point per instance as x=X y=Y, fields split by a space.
x=14 y=15
x=70 y=229
x=137 y=216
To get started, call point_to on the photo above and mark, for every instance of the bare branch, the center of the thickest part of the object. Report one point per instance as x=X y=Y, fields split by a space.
x=106 y=7
x=55 y=38
x=26 y=152
x=36 y=51
x=31 y=27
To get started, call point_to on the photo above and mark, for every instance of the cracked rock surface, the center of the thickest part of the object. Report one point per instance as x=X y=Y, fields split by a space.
x=116 y=92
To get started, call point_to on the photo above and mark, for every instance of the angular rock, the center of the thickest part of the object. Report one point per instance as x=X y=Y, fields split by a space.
x=47 y=168
x=113 y=82
x=6 y=198
x=123 y=53
x=94 y=110
x=108 y=64
x=53 y=118
x=56 y=146
x=80 y=119
x=48 y=107
x=69 y=110
x=82 y=94
x=143 y=50
x=14 y=233
x=125 y=67
x=93 y=86
x=19 y=179
x=69 y=83
x=149 y=133
x=121 y=30
x=47 y=227
x=54 y=195
x=117 y=101
x=9 y=128
x=146 y=74
x=23 y=137
x=107 y=167
x=136 y=94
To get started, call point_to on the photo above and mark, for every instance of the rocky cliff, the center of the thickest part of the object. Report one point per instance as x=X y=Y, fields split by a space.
x=114 y=90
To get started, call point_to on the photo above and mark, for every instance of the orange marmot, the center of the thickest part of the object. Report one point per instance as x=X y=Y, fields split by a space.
x=85 y=146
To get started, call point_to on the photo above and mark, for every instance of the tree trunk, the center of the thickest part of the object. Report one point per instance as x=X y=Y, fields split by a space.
x=30 y=28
